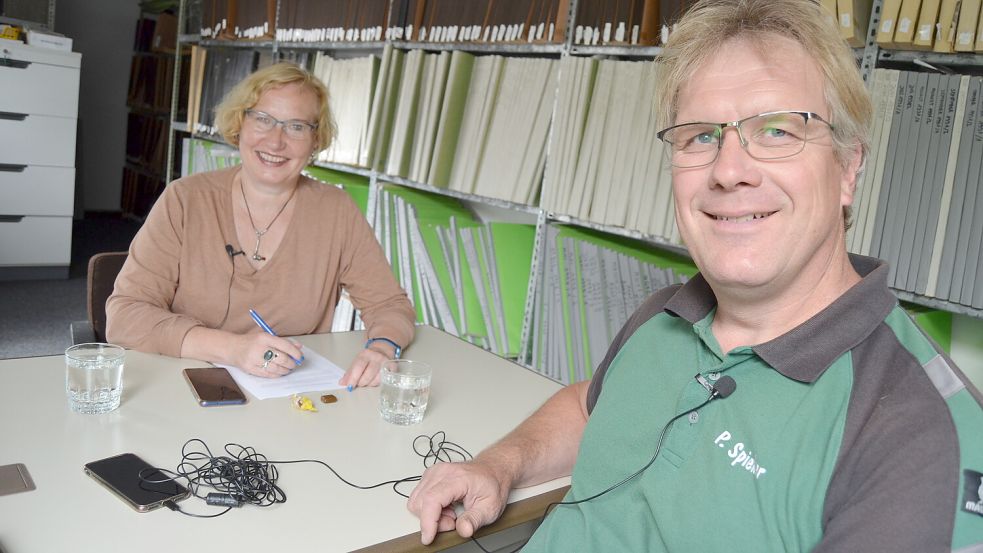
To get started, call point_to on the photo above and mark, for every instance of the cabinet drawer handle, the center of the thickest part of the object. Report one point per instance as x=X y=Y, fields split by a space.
x=12 y=168
x=11 y=116
x=16 y=64
x=11 y=218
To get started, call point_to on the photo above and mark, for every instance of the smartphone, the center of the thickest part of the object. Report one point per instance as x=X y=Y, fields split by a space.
x=214 y=386
x=135 y=481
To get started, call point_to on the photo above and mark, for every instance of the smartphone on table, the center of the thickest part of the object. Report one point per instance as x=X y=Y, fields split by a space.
x=136 y=482
x=214 y=386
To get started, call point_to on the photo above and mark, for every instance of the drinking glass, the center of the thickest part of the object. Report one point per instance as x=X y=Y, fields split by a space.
x=405 y=391
x=94 y=377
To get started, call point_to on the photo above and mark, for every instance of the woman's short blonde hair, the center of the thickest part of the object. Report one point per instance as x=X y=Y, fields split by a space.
x=229 y=114
x=709 y=24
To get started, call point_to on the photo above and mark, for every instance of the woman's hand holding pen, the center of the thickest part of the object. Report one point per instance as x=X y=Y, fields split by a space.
x=364 y=370
x=252 y=357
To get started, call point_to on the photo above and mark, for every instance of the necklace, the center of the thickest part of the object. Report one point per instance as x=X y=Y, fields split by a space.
x=260 y=233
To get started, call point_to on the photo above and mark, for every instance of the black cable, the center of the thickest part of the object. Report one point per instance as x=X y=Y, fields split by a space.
x=658 y=447
x=228 y=304
x=244 y=476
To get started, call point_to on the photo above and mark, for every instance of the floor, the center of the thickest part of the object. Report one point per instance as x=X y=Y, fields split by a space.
x=35 y=314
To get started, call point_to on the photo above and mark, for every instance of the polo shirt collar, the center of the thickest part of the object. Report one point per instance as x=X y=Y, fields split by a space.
x=807 y=350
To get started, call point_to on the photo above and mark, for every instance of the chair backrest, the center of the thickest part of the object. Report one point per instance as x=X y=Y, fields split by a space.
x=103 y=268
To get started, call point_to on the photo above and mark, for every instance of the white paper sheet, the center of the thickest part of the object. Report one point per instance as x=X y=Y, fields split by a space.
x=317 y=373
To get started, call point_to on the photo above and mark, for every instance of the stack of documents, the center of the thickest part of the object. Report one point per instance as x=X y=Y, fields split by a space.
x=590 y=285
x=463 y=276
x=351 y=84
x=478 y=125
x=605 y=163
x=919 y=205
x=198 y=155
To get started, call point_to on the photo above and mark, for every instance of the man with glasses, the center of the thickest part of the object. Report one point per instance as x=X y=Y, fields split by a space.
x=781 y=400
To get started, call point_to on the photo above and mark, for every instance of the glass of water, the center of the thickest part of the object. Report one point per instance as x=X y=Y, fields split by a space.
x=94 y=377
x=405 y=391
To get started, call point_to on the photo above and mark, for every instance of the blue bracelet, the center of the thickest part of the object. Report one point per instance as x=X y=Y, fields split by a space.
x=399 y=349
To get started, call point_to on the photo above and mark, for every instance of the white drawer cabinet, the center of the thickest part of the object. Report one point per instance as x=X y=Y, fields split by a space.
x=41 y=87
x=50 y=190
x=37 y=140
x=35 y=241
x=38 y=121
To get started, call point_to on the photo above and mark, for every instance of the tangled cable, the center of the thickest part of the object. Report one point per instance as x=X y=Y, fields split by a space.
x=246 y=476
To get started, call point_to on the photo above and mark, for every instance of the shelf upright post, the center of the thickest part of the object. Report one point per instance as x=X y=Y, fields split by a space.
x=175 y=95
x=869 y=60
x=276 y=35
x=538 y=252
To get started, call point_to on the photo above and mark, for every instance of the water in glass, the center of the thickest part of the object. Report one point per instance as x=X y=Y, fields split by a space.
x=405 y=391
x=94 y=377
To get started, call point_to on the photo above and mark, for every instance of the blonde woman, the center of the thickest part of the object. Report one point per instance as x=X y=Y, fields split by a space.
x=259 y=236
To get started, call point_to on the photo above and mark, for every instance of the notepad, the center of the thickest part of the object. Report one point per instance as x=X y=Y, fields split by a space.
x=317 y=373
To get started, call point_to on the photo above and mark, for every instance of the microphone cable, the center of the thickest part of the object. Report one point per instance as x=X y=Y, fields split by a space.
x=722 y=389
x=244 y=476
x=232 y=257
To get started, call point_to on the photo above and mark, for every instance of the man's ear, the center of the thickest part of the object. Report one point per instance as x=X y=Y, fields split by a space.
x=848 y=181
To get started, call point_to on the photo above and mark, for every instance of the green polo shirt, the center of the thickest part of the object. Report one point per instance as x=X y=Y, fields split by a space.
x=849 y=433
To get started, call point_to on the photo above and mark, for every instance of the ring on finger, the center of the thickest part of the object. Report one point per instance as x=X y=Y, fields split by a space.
x=269 y=355
x=266 y=364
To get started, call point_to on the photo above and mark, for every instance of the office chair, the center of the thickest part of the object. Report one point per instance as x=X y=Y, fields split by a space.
x=103 y=268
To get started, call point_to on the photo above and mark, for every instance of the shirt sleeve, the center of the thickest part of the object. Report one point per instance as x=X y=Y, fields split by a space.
x=369 y=280
x=895 y=485
x=138 y=313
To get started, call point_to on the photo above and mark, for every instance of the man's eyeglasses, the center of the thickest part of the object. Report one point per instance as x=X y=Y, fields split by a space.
x=263 y=122
x=773 y=135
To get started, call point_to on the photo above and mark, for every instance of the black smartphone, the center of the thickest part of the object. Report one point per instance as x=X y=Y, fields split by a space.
x=135 y=481
x=214 y=386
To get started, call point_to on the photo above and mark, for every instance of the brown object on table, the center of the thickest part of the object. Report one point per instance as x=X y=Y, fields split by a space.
x=328 y=398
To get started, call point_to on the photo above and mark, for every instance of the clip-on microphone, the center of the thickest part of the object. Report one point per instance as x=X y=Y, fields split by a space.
x=723 y=388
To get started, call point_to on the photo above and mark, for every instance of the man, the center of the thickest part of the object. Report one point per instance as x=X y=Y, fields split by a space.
x=847 y=431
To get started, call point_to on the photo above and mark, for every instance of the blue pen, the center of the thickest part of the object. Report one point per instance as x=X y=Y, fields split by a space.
x=266 y=328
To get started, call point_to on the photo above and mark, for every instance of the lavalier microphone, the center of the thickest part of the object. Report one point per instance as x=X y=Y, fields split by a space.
x=232 y=252
x=724 y=387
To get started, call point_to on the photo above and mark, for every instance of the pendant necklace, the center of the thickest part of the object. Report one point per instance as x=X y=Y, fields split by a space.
x=260 y=233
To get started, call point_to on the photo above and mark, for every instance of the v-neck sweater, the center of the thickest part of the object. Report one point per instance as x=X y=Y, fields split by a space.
x=179 y=275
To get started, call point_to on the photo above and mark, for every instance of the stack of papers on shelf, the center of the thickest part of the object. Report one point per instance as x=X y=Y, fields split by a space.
x=606 y=163
x=918 y=205
x=465 y=277
x=351 y=84
x=589 y=287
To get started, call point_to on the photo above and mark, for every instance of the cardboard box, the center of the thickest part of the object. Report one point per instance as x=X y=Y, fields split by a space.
x=46 y=40
x=165 y=33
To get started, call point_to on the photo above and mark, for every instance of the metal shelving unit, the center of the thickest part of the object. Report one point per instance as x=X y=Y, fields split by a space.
x=869 y=57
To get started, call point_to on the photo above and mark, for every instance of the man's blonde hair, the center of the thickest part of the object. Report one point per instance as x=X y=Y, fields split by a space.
x=710 y=24
x=229 y=114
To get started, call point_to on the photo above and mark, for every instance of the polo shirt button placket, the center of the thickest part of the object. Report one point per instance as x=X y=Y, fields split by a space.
x=694 y=417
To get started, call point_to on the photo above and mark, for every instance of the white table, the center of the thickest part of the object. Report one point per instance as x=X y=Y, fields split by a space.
x=476 y=397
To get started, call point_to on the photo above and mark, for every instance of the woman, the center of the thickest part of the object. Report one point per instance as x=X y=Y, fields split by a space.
x=259 y=236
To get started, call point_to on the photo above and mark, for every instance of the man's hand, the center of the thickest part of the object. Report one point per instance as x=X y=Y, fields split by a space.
x=364 y=370
x=483 y=492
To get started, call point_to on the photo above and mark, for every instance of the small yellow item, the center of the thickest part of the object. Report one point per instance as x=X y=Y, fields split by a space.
x=10 y=32
x=303 y=403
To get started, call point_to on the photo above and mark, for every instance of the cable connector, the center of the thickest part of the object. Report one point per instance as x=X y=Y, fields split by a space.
x=223 y=500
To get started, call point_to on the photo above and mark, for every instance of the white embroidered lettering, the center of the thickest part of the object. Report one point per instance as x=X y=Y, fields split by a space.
x=742 y=457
